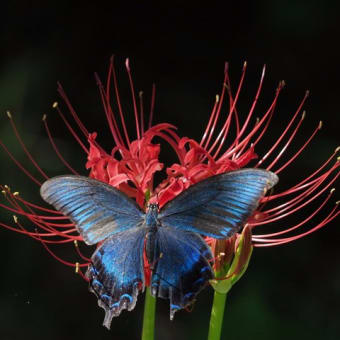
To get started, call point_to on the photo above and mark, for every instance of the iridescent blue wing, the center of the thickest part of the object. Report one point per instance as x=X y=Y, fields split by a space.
x=220 y=205
x=181 y=267
x=97 y=209
x=116 y=272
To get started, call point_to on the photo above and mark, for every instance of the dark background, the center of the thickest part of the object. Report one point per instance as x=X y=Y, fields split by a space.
x=291 y=291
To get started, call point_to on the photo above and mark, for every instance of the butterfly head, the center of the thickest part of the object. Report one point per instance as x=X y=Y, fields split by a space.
x=151 y=214
x=152 y=208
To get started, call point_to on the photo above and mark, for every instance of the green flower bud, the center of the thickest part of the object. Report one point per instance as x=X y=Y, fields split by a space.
x=231 y=259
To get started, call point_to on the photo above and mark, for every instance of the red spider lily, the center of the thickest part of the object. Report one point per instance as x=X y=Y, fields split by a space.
x=131 y=166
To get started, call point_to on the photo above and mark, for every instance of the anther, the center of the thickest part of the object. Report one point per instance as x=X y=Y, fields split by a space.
x=332 y=190
x=303 y=115
x=140 y=94
x=77 y=268
x=15 y=218
x=127 y=64
x=217 y=98
x=75 y=243
x=16 y=193
x=44 y=117
x=160 y=255
x=337 y=149
x=55 y=104
x=320 y=124
x=9 y=114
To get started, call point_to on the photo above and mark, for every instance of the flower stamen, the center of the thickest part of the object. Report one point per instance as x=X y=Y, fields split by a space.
x=55 y=148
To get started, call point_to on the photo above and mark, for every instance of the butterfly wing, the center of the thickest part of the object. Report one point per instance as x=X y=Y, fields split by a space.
x=116 y=272
x=220 y=205
x=181 y=267
x=97 y=209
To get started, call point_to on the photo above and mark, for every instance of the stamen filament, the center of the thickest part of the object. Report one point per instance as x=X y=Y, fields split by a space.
x=55 y=148
x=28 y=154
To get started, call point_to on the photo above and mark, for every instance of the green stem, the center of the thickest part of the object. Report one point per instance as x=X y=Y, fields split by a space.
x=216 y=318
x=148 y=332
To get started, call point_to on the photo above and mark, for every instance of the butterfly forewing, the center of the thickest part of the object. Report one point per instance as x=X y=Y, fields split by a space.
x=220 y=205
x=97 y=209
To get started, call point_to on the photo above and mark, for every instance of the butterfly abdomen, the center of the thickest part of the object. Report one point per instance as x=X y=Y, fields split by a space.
x=150 y=246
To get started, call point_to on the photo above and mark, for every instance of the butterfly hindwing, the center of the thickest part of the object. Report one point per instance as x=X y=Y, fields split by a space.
x=220 y=205
x=97 y=209
x=116 y=272
x=181 y=267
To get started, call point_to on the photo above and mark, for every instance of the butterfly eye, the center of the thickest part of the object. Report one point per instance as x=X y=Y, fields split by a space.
x=152 y=207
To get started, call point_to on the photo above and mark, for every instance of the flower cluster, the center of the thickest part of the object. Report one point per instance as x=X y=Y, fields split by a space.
x=131 y=165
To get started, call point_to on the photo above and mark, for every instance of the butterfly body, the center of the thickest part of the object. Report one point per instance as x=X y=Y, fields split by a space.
x=165 y=243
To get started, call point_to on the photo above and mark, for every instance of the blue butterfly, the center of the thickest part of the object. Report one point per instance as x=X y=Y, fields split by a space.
x=180 y=260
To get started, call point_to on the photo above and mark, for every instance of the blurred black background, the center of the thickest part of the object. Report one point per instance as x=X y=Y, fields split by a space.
x=290 y=291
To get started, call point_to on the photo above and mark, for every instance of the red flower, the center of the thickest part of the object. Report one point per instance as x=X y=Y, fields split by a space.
x=131 y=164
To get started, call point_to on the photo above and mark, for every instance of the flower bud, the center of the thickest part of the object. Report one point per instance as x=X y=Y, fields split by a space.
x=231 y=259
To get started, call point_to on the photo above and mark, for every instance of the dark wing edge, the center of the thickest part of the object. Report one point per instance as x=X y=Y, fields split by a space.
x=220 y=205
x=96 y=208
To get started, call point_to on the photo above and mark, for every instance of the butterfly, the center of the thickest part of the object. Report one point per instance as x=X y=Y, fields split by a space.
x=168 y=240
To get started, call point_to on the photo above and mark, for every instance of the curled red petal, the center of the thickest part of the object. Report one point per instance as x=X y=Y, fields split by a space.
x=149 y=171
x=98 y=171
x=115 y=181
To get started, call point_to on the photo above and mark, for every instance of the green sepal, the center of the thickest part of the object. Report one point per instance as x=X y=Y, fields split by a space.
x=147 y=196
